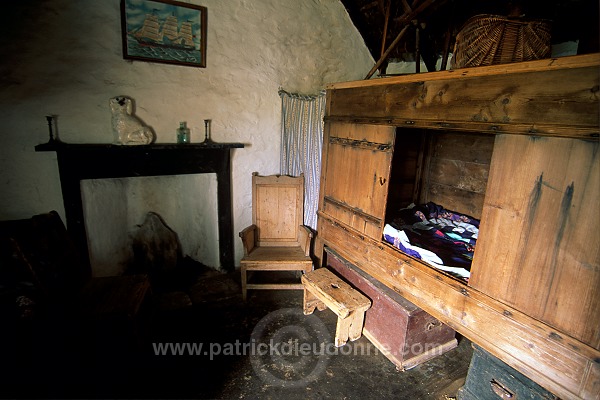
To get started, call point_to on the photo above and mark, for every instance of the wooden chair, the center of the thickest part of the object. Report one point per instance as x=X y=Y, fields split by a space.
x=277 y=240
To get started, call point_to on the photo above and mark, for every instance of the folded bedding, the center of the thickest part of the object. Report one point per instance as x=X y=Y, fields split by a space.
x=442 y=238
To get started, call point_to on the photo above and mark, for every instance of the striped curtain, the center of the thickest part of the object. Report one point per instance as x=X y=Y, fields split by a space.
x=301 y=144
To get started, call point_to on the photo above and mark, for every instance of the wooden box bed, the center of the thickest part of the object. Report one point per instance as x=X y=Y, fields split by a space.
x=514 y=146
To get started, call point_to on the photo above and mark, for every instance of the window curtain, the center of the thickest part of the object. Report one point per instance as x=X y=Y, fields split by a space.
x=301 y=144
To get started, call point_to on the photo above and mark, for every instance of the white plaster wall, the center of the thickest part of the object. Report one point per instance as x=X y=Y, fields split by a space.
x=108 y=226
x=64 y=57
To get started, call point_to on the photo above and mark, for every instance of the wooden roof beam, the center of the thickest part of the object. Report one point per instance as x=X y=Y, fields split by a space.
x=405 y=19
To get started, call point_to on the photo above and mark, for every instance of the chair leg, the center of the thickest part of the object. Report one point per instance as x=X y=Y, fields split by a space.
x=244 y=281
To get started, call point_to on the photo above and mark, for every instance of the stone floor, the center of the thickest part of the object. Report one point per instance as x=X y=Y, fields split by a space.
x=228 y=349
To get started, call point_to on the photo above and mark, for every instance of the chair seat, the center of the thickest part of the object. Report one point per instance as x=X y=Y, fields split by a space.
x=276 y=255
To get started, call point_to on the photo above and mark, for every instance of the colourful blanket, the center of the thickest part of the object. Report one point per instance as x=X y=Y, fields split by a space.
x=442 y=238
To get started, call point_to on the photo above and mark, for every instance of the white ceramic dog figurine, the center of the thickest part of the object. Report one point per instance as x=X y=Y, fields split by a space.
x=128 y=128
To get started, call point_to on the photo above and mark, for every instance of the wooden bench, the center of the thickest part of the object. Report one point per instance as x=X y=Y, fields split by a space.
x=323 y=289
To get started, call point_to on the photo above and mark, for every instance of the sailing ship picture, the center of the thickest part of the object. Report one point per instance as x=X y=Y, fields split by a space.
x=164 y=31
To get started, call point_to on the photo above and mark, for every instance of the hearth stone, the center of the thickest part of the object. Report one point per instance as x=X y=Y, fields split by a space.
x=156 y=248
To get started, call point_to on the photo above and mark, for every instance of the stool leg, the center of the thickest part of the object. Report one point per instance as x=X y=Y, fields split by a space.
x=356 y=326
x=244 y=290
x=321 y=306
x=310 y=302
x=341 y=331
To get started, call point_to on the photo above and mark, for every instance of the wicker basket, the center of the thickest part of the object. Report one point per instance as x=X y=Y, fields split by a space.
x=493 y=39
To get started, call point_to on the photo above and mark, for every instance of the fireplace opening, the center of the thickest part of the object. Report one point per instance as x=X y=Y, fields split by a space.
x=81 y=162
x=115 y=209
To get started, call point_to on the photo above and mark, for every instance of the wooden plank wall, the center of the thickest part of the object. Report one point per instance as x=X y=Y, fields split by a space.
x=457 y=171
x=450 y=169
x=538 y=97
x=407 y=166
x=538 y=247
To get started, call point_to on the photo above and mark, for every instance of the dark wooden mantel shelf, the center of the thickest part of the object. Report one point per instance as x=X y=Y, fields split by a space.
x=53 y=146
x=77 y=162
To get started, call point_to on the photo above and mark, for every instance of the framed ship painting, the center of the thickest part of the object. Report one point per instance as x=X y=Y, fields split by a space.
x=164 y=31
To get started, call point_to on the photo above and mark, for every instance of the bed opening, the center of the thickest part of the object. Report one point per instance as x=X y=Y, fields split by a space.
x=435 y=196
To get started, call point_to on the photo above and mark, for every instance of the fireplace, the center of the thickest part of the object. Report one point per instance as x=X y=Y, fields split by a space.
x=77 y=162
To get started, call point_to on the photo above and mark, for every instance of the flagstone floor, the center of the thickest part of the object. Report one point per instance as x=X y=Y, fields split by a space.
x=205 y=342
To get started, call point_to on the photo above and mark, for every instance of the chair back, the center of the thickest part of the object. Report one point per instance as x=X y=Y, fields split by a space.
x=277 y=209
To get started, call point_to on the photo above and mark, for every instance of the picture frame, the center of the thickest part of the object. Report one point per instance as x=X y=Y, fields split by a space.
x=164 y=31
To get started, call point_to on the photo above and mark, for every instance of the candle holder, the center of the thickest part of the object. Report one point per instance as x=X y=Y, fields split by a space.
x=51 y=119
x=207 y=139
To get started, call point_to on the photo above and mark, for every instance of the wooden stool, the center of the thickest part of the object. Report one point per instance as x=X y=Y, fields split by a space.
x=323 y=289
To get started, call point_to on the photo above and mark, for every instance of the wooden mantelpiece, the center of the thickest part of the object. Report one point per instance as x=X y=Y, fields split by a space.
x=77 y=162
x=528 y=135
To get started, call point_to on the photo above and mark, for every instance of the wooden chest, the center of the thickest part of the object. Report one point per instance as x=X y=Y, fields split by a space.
x=403 y=332
x=490 y=378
